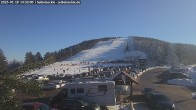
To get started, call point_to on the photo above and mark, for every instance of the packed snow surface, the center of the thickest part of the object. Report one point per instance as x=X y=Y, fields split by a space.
x=105 y=50
x=108 y=50
x=65 y=67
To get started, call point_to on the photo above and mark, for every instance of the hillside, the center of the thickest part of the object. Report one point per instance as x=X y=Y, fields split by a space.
x=118 y=48
x=106 y=50
x=65 y=53
x=164 y=52
x=156 y=51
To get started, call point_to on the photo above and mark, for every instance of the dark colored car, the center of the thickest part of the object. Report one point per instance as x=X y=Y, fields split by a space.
x=147 y=91
x=75 y=104
x=36 y=106
x=159 y=101
x=57 y=98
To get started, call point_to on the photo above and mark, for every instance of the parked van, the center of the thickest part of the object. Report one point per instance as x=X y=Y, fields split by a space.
x=100 y=92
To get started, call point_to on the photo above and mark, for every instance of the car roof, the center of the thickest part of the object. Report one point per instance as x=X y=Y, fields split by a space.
x=75 y=99
x=51 y=83
x=31 y=103
x=148 y=88
x=72 y=99
x=34 y=104
x=159 y=94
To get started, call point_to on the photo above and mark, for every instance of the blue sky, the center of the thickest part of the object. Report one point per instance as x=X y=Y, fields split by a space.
x=48 y=28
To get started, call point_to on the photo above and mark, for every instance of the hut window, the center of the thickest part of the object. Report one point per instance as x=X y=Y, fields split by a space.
x=80 y=90
x=102 y=88
x=72 y=91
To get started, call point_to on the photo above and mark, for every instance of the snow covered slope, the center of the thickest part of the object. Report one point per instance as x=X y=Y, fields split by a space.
x=65 y=67
x=107 y=50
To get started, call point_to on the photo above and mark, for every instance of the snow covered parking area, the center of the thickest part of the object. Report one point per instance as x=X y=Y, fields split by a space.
x=190 y=81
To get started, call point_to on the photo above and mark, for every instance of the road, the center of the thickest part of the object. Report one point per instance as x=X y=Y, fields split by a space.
x=157 y=78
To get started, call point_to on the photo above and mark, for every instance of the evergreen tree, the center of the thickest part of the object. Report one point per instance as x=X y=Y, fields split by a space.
x=47 y=55
x=3 y=61
x=10 y=80
x=51 y=56
x=38 y=57
x=29 y=58
x=14 y=64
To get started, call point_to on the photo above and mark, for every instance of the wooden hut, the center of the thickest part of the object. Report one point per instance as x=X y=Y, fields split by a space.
x=123 y=78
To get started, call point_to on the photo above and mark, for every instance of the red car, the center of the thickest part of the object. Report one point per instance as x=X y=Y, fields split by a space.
x=36 y=106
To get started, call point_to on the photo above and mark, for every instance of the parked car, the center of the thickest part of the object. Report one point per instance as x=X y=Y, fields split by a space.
x=61 y=75
x=76 y=104
x=159 y=101
x=194 y=95
x=51 y=86
x=146 y=91
x=41 y=78
x=59 y=82
x=36 y=106
x=57 y=98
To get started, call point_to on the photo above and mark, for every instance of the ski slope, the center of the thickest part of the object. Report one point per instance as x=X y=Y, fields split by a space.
x=103 y=51
x=65 y=67
x=108 y=50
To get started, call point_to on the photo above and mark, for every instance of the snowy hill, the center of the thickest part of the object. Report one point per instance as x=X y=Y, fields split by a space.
x=108 y=50
x=105 y=50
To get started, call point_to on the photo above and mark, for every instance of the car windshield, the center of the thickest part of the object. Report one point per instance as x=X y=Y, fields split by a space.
x=161 y=98
x=149 y=89
x=44 y=107
x=50 y=84
x=84 y=103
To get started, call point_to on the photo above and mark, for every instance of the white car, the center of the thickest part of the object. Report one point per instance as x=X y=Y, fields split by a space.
x=51 y=86
x=61 y=75
x=59 y=82
x=194 y=95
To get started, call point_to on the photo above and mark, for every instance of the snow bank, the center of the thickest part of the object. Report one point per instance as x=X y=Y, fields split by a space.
x=192 y=74
x=186 y=82
x=194 y=95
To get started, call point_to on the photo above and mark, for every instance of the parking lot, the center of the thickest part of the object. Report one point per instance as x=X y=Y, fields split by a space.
x=157 y=78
